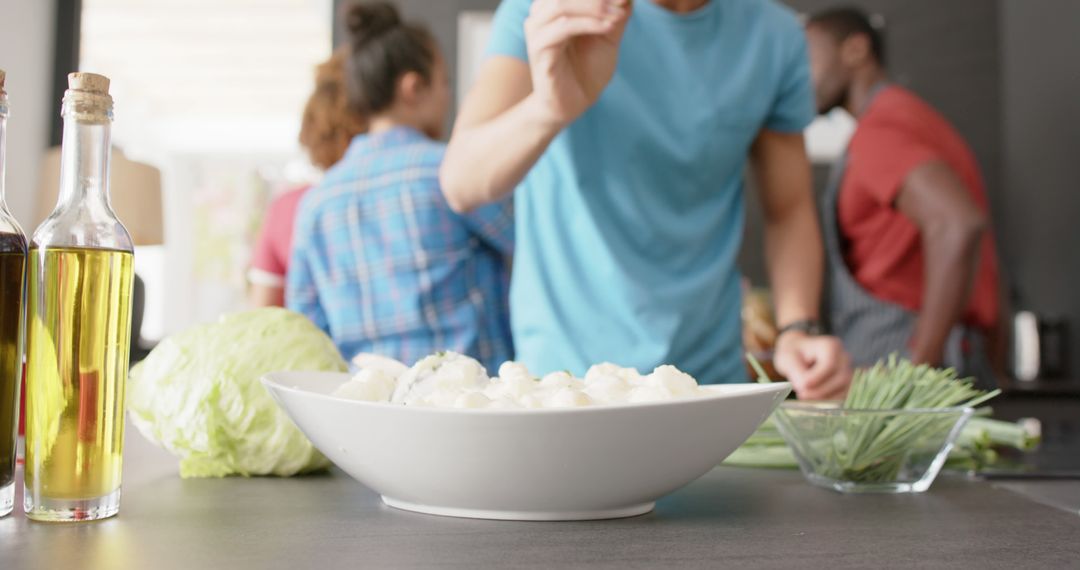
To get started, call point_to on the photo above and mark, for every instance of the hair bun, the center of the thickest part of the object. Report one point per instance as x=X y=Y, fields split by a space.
x=366 y=20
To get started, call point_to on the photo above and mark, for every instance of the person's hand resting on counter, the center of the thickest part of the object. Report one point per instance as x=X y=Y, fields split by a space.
x=817 y=366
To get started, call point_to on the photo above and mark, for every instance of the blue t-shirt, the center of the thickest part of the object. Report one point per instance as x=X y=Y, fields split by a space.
x=629 y=225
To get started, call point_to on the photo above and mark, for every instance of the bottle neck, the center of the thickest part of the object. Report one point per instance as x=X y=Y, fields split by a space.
x=84 y=163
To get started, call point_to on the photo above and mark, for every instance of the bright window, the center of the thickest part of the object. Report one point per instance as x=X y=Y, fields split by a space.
x=211 y=93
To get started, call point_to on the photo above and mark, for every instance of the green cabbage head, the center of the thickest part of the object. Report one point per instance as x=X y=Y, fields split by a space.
x=198 y=394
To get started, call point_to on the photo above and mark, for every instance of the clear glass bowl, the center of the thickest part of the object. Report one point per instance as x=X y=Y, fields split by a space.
x=870 y=451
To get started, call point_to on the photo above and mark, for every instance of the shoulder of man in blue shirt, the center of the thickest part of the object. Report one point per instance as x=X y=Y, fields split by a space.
x=509 y=34
x=764 y=22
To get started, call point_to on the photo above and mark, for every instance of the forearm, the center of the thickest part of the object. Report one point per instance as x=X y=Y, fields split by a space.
x=950 y=261
x=793 y=252
x=951 y=226
x=486 y=161
x=794 y=259
x=817 y=366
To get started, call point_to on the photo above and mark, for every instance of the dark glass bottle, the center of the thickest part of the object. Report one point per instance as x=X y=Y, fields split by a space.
x=12 y=271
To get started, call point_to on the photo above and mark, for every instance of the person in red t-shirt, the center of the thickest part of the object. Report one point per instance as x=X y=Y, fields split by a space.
x=328 y=126
x=914 y=267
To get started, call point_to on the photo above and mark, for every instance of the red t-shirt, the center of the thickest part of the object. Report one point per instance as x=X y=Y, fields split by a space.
x=896 y=134
x=270 y=261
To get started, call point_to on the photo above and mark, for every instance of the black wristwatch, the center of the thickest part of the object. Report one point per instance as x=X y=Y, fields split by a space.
x=811 y=327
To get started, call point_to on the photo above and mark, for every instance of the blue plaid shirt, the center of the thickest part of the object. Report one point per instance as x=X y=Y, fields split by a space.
x=381 y=263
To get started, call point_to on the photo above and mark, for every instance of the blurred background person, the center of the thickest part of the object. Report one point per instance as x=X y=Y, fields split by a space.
x=328 y=125
x=380 y=261
x=912 y=263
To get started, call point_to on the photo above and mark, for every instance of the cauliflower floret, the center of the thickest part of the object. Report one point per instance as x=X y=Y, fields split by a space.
x=567 y=398
x=535 y=398
x=514 y=382
x=514 y=369
x=673 y=381
x=366 y=360
x=370 y=385
x=647 y=394
x=460 y=373
x=503 y=403
x=608 y=389
x=435 y=399
x=451 y=380
x=606 y=370
x=472 y=400
x=561 y=379
x=442 y=372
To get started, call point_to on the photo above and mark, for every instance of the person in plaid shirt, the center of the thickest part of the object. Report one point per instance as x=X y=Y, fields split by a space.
x=379 y=260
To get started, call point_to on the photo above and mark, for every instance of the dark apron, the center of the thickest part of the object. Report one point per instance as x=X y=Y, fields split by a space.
x=871 y=328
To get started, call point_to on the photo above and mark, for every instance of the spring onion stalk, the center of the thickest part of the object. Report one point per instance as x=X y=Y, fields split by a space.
x=868 y=450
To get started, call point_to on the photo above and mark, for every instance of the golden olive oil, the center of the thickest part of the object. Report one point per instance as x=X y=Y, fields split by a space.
x=79 y=318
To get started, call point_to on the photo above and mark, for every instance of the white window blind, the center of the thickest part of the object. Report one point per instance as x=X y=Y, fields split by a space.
x=210 y=92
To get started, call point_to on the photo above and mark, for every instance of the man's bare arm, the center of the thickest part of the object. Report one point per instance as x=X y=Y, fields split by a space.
x=818 y=367
x=793 y=247
x=951 y=226
x=515 y=109
x=498 y=137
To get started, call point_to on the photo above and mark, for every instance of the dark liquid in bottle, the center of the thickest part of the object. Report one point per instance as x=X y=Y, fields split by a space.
x=12 y=269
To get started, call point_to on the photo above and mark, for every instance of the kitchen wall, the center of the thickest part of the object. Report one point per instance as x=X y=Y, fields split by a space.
x=1040 y=67
x=26 y=53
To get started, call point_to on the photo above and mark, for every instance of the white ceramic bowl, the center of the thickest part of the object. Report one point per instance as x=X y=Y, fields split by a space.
x=568 y=464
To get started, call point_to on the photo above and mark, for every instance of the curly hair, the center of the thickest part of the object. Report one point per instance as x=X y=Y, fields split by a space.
x=330 y=122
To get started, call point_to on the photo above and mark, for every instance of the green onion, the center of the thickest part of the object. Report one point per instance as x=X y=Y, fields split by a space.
x=762 y=377
x=898 y=384
x=871 y=449
x=973 y=450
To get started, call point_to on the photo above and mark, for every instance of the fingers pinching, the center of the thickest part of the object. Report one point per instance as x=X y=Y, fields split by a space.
x=564 y=28
x=545 y=11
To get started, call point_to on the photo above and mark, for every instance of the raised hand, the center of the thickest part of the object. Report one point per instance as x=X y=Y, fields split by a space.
x=573 y=49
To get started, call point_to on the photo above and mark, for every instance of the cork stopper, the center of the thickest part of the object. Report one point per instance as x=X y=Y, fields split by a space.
x=88 y=82
x=3 y=76
x=87 y=98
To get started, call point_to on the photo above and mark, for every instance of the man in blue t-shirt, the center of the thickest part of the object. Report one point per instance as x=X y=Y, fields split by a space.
x=625 y=131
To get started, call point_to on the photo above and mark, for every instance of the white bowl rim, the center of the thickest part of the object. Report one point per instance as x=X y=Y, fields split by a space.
x=270 y=380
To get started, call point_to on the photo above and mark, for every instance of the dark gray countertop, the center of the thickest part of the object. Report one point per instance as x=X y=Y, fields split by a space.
x=756 y=518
